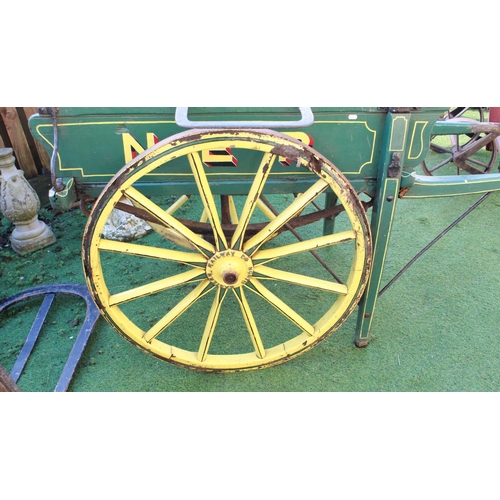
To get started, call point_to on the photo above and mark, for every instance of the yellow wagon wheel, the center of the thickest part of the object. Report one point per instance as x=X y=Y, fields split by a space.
x=253 y=291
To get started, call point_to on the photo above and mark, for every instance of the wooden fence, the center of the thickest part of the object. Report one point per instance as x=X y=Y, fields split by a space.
x=15 y=134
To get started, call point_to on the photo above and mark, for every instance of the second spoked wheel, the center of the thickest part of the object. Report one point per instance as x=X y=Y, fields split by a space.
x=258 y=283
x=461 y=153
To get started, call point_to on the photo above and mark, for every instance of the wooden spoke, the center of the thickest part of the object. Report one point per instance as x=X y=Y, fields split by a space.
x=304 y=246
x=441 y=149
x=278 y=304
x=265 y=209
x=167 y=220
x=208 y=199
x=251 y=201
x=291 y=211
x=155 y=287
x=250 y=322
x=441 y=164
x=480 y=163
x=300 y=279
x=232 y=211
x=177 y=311
x=128 y=206
x=211 y=323
x=128 y=248
x=204 y=216
x=177 y=204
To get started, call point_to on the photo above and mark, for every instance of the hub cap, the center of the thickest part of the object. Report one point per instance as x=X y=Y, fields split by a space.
x=229 y=268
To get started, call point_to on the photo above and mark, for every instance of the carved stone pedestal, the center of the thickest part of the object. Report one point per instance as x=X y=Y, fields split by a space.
x=20 y=204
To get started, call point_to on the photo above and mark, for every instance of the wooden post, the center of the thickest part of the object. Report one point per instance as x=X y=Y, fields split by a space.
x=18 y=140
x=42 y=154
x=6 y=382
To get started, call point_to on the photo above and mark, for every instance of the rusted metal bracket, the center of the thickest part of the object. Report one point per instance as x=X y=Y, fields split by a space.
x=395 y=167
x=49 y=292
x=47 y=111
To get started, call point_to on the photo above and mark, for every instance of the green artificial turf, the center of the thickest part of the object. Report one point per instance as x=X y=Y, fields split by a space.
x=435 y=329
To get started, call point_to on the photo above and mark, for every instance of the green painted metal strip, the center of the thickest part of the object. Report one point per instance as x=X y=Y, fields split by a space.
x=452 y=185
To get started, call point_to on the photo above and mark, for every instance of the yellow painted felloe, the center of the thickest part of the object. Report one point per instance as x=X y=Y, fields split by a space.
x=233 y=265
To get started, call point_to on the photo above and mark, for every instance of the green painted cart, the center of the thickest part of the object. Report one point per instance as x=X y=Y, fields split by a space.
x=259 y=230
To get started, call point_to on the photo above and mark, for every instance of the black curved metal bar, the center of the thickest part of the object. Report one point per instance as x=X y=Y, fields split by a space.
x=49 y=291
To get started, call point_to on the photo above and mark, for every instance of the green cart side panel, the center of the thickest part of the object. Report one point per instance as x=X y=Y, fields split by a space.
x=94 y=143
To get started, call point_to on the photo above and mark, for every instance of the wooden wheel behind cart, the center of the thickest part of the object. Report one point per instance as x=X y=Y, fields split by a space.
x=463 y=153
x=235 y=275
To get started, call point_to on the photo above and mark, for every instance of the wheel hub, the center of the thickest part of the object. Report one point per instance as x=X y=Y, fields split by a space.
x=229 y=268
